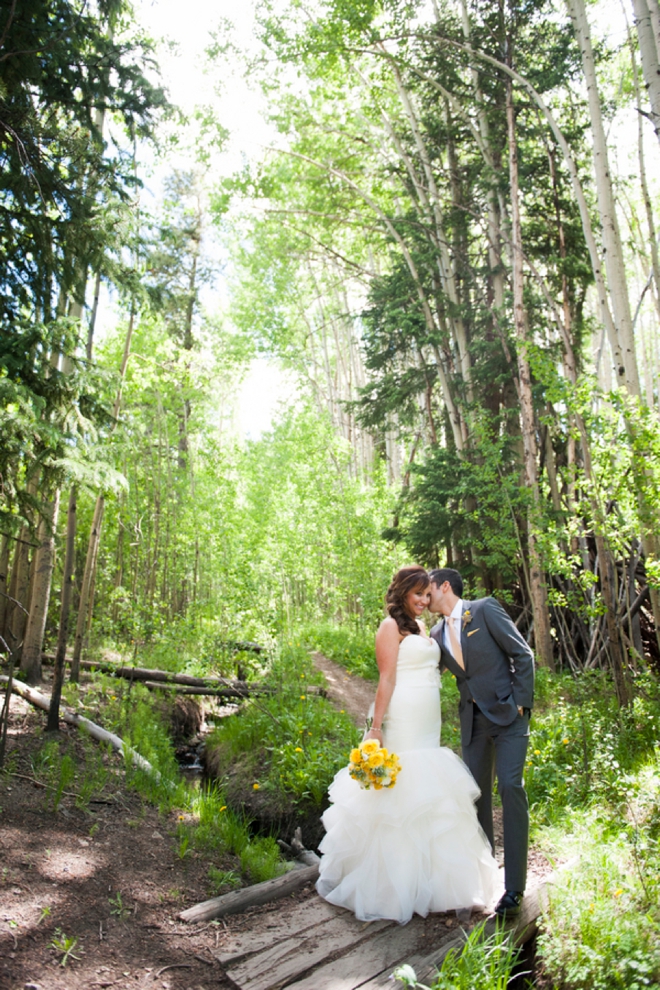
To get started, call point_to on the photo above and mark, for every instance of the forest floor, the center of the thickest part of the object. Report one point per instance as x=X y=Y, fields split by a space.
x=110 y=876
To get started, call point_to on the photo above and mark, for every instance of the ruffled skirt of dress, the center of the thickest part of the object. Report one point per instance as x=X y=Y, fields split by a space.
x=414 y=848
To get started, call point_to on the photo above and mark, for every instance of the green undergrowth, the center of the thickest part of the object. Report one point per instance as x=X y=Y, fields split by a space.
x=288 y=744
x=205 y=824
x=593 y=779
x=601 y=928
x=483 y=962
x=352 y=648
x=199 y=647
x=583 y=747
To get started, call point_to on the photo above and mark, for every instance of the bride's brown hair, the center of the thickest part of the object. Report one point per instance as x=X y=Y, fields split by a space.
x=408 y=579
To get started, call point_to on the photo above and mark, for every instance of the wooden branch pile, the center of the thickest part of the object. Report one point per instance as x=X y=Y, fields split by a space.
x=164 y=680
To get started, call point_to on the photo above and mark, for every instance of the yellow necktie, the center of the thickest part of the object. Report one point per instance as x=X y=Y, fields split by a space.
x=455 y=645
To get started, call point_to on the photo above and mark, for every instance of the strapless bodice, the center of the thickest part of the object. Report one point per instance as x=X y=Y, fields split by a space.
x=417 y=662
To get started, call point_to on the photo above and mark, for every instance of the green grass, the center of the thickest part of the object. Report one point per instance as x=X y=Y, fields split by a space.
x=601 y=929
x=353 y=649
x=482 y=963
x=290 y=744
x=582 y=745
x=593 y=778
x=206 y=825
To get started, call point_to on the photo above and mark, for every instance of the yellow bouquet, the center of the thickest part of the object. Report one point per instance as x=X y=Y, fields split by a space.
x=373 y=766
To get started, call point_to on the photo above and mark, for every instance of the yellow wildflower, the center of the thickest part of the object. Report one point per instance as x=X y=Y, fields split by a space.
x=255 y=787
x=617 y=893
x=223 y=808
x=565 y=742
x=537 y=752
x=302 y=697
x=299 y=749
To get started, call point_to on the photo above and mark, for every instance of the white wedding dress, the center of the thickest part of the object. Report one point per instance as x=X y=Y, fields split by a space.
x=415 y=847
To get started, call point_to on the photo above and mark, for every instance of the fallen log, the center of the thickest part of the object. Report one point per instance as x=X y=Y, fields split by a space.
x=238 y=690
x=146 y=674
x=223 y=687
x=220 y=692
x=102 y=735
x=258 y=893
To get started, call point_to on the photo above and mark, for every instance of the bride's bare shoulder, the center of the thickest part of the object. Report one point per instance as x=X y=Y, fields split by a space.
x=388 y=629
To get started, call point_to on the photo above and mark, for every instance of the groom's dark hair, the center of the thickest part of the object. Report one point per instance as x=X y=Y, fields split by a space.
x=443 y=574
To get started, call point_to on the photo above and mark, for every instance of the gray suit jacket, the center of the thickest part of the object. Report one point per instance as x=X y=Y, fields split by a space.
x=499 y=665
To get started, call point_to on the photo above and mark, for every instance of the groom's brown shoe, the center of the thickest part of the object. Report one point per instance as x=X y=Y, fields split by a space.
x=509 y=904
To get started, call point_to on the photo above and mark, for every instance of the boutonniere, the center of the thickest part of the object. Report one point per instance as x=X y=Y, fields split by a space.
x=467 y=618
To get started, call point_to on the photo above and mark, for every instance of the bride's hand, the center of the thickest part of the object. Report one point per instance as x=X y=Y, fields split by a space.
x=375 y=734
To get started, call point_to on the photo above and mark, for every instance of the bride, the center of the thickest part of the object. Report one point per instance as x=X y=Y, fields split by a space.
x=417 y=846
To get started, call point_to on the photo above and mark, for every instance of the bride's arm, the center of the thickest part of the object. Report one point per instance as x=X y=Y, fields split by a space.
x=388 y=639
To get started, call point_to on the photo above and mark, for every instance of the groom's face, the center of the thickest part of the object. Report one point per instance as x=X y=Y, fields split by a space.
x=440 y=598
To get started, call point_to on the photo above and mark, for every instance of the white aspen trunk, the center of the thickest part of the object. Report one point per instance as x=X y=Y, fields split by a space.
x=434 y=212
x=95 y=533
x=494 y=236
x=4 y=582
x=646 y=12
x=52 y=724
x=627 y=372
x=43 y=565
x=537 y=587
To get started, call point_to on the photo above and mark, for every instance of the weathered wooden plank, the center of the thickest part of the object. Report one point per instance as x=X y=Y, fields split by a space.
x=274 y=926
x=418 y=961
x=383 y=950
x=296 y=956
x=258 y=893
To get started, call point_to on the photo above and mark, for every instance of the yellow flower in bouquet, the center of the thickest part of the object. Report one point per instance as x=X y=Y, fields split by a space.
x=373 y=766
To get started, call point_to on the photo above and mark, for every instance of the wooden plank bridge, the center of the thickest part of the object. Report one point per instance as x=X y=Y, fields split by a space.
x=303 y=943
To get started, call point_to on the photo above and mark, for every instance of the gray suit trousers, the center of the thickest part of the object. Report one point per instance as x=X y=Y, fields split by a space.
x=500 y=751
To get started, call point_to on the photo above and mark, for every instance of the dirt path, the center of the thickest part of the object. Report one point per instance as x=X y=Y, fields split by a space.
x=347 y=691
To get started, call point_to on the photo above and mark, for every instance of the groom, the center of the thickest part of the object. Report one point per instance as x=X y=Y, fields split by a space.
x=494 y=668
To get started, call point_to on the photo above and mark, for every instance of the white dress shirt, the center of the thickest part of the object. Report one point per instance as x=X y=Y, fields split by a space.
x=455 y=617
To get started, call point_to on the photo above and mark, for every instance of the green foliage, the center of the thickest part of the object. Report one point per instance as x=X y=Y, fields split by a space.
x=221 y=880
x=117 y=906
x=64 y=946
x=584 y=749
x=594 y=785
x=290 y=744
x=471 y=503
x=601 y=929
x=352 y=648
x=486 y=962
x=214 y=829
x=65 y=195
